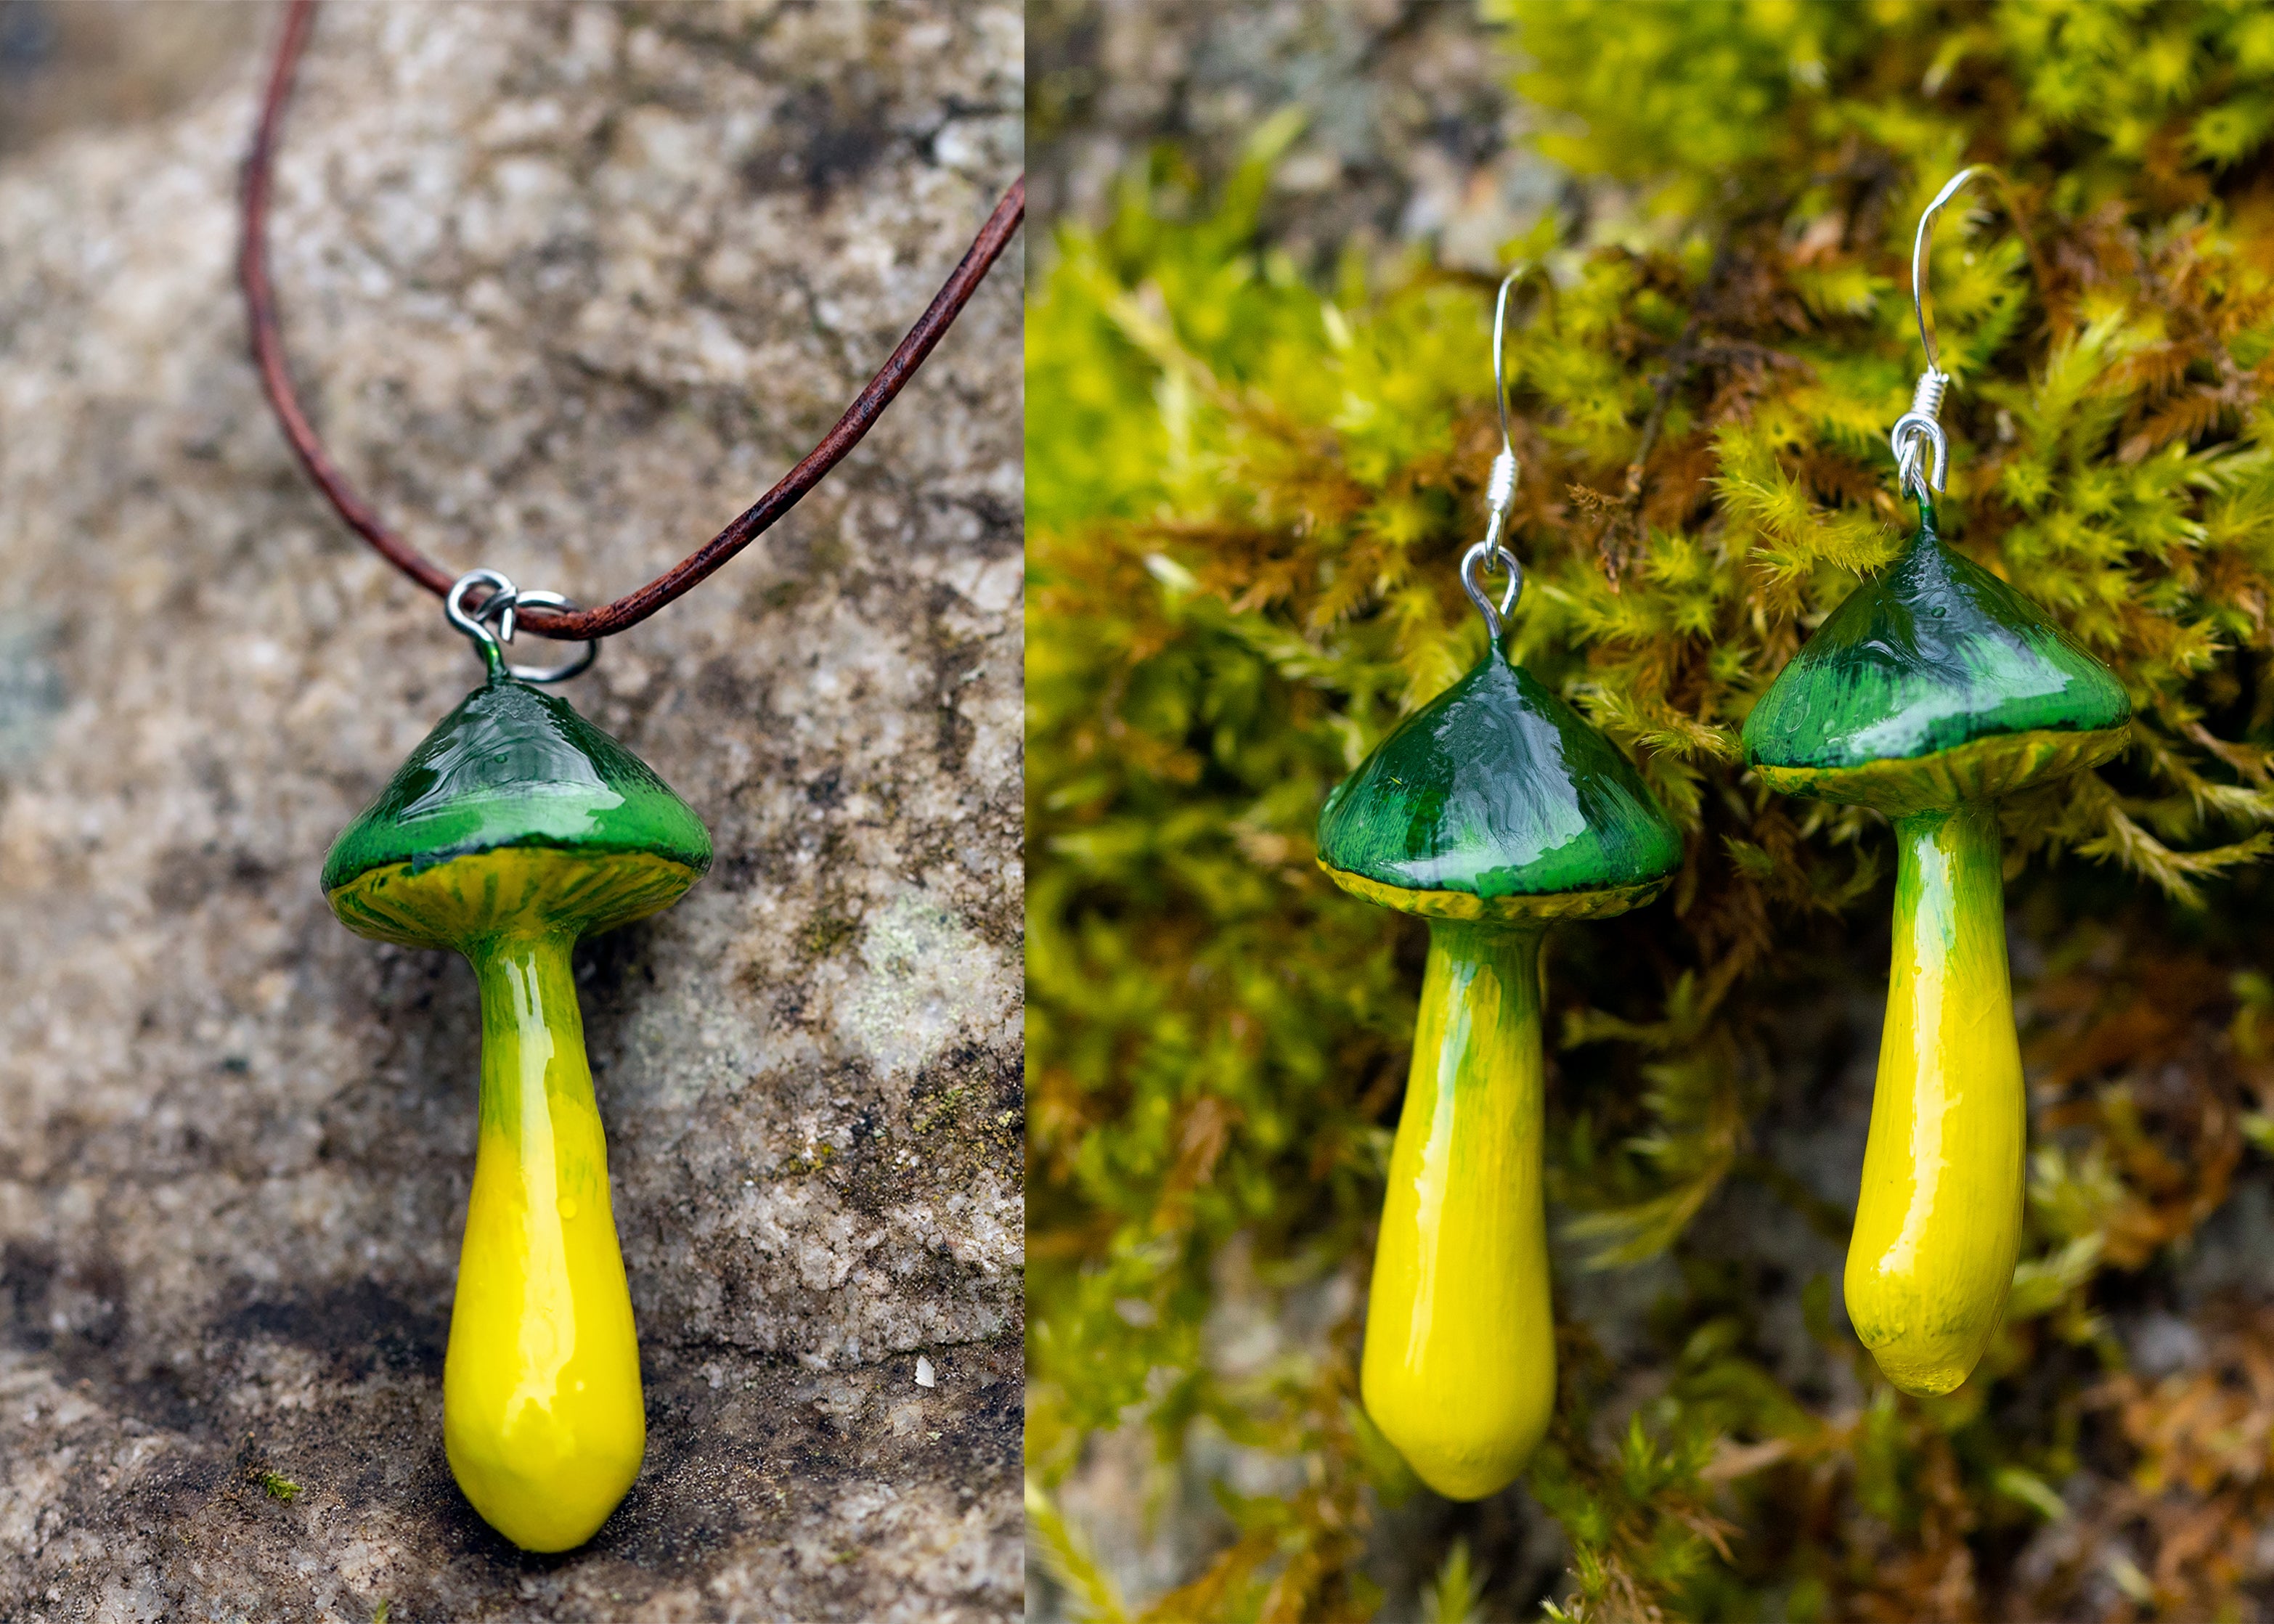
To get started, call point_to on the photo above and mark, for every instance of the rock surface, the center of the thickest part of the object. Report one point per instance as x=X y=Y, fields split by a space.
x=567 y=286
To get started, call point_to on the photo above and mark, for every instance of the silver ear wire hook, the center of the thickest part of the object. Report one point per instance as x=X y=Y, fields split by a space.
x=1918 y=429
x=1500 y=491
x=1920 y=239
x=1500 y=389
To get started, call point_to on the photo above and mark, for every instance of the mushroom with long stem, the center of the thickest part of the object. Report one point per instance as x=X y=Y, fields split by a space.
x=515 y=828
x=1491 y=812
x=1927 y=695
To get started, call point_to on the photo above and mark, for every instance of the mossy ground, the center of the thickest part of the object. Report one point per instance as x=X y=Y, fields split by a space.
x=1252 y=470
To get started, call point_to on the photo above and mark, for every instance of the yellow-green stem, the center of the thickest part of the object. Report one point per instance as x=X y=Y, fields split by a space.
x=1938 y=1220
x=542 y=1416
x=1459 y=1370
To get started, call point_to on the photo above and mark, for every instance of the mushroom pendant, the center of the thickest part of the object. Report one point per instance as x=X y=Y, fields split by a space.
x=1491 y=812
x=515 y=828
x=1927 y=695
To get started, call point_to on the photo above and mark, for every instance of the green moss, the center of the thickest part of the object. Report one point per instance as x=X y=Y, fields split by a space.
x=1250 y=482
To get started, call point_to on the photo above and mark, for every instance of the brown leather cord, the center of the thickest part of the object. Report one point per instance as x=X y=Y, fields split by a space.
x=633 y=608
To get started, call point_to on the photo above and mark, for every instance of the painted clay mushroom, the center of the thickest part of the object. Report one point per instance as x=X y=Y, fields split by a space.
x=1491 y=812
x=517 y=828
x=1927 y=695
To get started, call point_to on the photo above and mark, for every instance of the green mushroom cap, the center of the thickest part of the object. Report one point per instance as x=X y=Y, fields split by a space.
x=1495 y=800
x=1934 y=684
x=515 y=771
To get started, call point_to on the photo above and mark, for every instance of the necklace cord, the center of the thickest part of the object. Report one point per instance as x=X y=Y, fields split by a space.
x=635 y=607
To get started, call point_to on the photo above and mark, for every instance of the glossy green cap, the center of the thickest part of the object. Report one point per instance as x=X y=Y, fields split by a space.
x=514 y=767
x=1936 y=655
x=1497 y=791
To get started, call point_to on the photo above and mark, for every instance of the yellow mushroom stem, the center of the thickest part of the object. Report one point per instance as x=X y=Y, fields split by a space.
x=1938 y=1222
x=542 y=1417
x=1459 y=1368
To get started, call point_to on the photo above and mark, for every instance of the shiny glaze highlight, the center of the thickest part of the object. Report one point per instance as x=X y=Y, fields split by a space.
x=1497 y=789
x=1459 y=1368
x=1934 y=654
x=542 y=1415
x=1938 y=1223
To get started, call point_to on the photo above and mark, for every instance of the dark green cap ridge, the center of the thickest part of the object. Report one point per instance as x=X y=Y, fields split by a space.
x=512 y=766
x=1497 y=788
x=1935 y=653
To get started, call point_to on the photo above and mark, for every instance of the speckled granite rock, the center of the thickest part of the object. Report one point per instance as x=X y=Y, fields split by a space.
x=567 y=285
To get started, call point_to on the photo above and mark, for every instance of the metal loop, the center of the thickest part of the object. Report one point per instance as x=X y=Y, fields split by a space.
x=504 y=598
x=454 y=603
x=568 y=668
x=498 y=606
x=1483 y=556
x=1910 y=429
x=1918 y=431
x=1500 y=489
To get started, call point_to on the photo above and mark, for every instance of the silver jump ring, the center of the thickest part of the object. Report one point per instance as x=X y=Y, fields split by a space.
x=1909 y=429
x=504 y=598
x=1478 y=559
x=453 y=604
x=566 y=668
x=498 y=606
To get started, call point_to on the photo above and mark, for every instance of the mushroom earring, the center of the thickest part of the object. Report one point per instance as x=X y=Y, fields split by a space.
x=517 y=828
x=1927 y=695
x=1491 y=812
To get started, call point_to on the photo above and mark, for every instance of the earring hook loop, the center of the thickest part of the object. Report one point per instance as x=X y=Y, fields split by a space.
x=1500 y=491
x=1500 y=360
x=1921 y=240
x=1918 y=431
